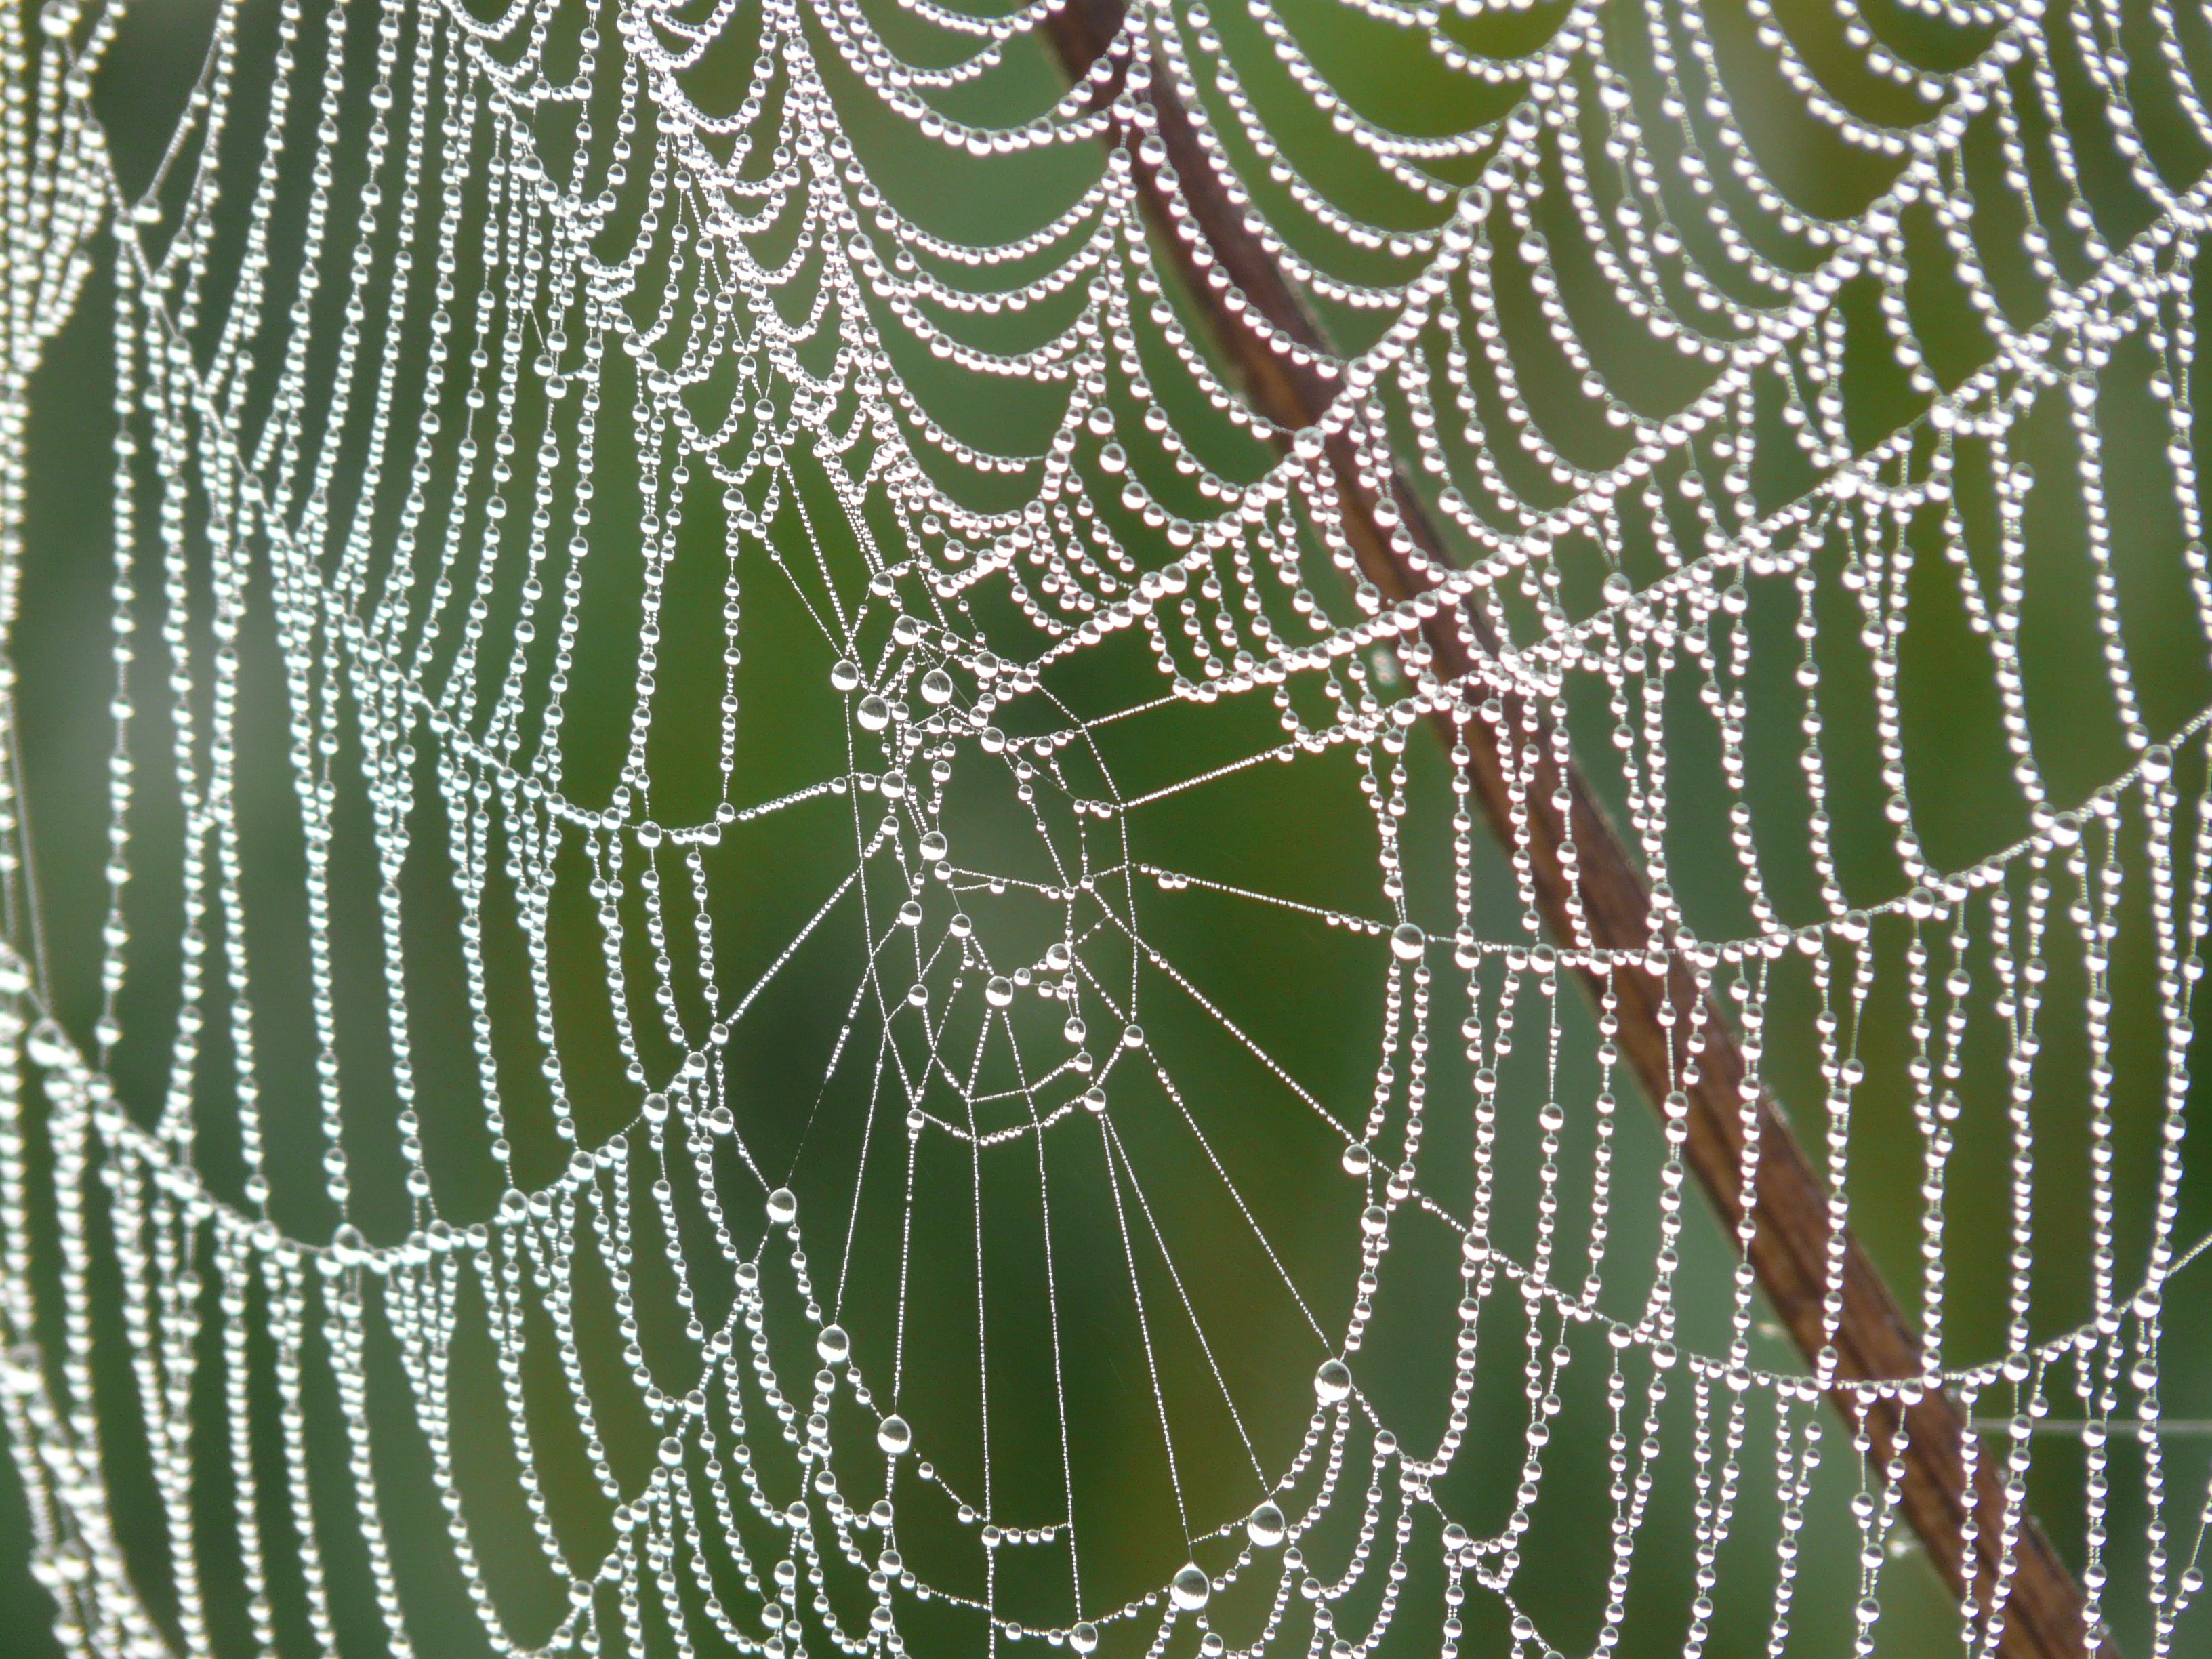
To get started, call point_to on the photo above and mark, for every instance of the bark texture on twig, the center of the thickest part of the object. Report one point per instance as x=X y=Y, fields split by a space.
x=1788 y=1240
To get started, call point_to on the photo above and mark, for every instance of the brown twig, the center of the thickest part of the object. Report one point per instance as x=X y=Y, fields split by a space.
x=1788 y=1241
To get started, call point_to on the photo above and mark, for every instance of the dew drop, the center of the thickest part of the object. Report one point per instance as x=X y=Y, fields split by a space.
x=845 y=675
x=874 y=714
x=47 y=1047
x=1083 y=1638
x=1408 y=942
x=894 y=1437
x=1357 y=1160
x=834 y=1344
x=1191 y=1588
x=1094 y=1100
x=999 y=991
x=937 y=688
x=1333 y=1382
x=671 y=1451
x=783 y=1206
x=1264 y=1528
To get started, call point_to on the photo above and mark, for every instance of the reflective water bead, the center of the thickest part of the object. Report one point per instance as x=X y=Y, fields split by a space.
x=1264 y=1527
x=1191 y=1588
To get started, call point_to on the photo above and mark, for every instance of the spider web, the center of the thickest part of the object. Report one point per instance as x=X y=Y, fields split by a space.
x=823 y=1012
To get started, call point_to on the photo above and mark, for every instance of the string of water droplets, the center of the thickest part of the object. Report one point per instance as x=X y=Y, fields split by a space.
x=377 y=320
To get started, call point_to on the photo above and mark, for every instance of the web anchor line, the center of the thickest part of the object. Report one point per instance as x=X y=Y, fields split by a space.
x=1786 y=1235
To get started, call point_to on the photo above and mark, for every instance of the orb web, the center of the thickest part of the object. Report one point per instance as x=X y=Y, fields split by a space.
x=870 y=1038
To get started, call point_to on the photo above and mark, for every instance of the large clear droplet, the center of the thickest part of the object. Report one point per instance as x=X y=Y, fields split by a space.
x=845 y=675
x=1357 y=1160
x=1083 y=1638
x=937 y=688
x=893 y=1436
x=1333 y=1382
x=24 y=1370
x=999 y=991
x=783 y=1206
x=671 y=1451
x=1408 y=942
x=874 y=714
x=1191 y=1588
x=47 y=1046
x=834 y=1344
x=1264 y=1528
